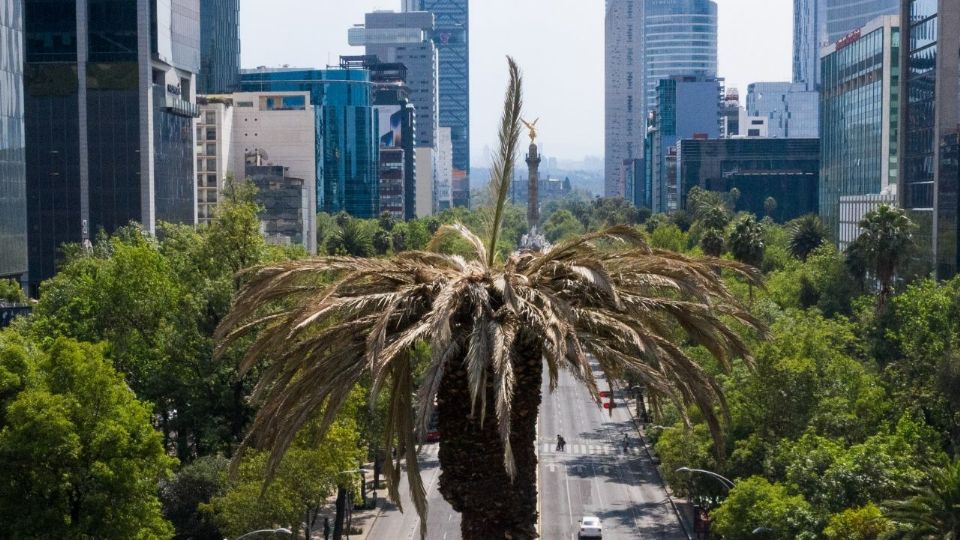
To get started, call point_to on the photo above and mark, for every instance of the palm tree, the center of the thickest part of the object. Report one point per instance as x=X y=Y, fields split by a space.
x=493 y=327
x=712 y=242
x=886 y=240
x=769 y=207
x=806 y=234
x=747 y=245
x=934 y=512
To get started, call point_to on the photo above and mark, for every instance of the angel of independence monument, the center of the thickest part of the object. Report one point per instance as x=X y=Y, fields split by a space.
x=533 y=240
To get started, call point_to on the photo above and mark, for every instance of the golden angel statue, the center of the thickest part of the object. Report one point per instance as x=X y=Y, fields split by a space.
x=532 y=126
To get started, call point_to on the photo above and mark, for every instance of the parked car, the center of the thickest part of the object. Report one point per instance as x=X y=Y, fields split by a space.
x=590 y=527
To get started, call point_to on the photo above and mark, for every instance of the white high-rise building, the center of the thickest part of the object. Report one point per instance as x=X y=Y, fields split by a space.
x=264 y=128
x=648 y=41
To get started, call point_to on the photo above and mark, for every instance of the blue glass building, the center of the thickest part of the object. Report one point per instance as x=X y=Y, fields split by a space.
x=687 y=107
x=13 y=183
x=860 y=97
x=109 y=107
x=452 y=38
x=792 y=111
x=219 y=47
x=347 y=145
x=930 y=109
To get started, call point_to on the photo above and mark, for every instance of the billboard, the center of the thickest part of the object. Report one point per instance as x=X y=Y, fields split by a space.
x=391 y=126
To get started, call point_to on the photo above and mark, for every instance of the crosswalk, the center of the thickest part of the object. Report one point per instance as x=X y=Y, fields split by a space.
x=576 y=449
x=584 y=449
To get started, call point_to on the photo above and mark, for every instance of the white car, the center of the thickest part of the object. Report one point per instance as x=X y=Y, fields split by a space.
x=590 y=527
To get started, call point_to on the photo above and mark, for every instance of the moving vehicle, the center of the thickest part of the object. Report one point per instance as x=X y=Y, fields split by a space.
x=433 y=431
x=590 y=527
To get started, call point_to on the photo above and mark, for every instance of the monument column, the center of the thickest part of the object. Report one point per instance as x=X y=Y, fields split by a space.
x=533 y=185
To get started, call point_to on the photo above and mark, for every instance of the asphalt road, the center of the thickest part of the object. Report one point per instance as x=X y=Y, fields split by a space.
x=594 y=476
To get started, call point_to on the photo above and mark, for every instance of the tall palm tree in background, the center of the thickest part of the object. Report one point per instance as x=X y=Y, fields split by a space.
x=493 y=326
x=886 y=242
x=747 y=245
x=807 y=233
x=933 y=513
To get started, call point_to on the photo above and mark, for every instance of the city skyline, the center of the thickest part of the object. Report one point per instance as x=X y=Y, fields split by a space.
x=569 y=132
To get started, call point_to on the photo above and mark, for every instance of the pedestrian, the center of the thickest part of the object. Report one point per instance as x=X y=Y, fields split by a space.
x=559 y=443
x=563 y=444
x=626 y=442
x=326 y=528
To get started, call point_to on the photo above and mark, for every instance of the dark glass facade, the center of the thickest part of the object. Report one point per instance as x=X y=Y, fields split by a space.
x=785 y=169
x=859 y=108
x=92 y=163
x=13 y=195
x=219 y=47
x=452 y=37
x=931 y=128
x=346 y=142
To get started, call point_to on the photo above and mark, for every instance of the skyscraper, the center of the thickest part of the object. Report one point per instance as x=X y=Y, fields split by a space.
x=818 y=23
x=792 y=111
x=930 y=138
x=860 y=95
x=625 y=117
x=13 y=183
x=346 y=143
x=109 y=111
x=219 y=47
x=648 y=41
x=407 y=38
x=452 y=38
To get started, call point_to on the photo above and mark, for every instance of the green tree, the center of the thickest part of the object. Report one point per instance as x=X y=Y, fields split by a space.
x=561 y=225
x=807 y=233
x=10 y=291
x=887 y=241
x=668 y=236
x=309 y=473
x=183 y=494
x=80 y=457
x=754 y=503
x=934 y=511
x=769 y=207
x=864 y=523
x=491 y=322
x=712 y=242
x=747 y=241
x=381 y=242
x=354 y=238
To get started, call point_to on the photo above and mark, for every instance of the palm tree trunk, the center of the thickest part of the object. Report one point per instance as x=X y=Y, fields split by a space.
x=473 y=478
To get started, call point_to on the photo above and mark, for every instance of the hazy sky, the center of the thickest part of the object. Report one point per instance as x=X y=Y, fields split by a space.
x=558 y=43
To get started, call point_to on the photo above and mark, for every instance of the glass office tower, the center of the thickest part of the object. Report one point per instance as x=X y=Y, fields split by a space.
x=109 y=106
x=818 y=23
x=930 y=183
x=647 y=41
x=219 y=47
x=452 y=38
x=347 y=146
x=680 y=38
x=687 y=107
x=860 y=98
x=13 y=194
x=792 y=111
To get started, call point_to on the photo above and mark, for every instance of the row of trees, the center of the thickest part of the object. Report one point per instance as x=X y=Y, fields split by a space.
x=844 y=424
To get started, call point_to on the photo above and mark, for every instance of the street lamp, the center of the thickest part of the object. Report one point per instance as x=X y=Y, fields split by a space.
x=727 y=483
x=283 y=530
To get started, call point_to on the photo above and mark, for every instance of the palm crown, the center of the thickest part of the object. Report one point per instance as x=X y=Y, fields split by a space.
x=323 y=325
